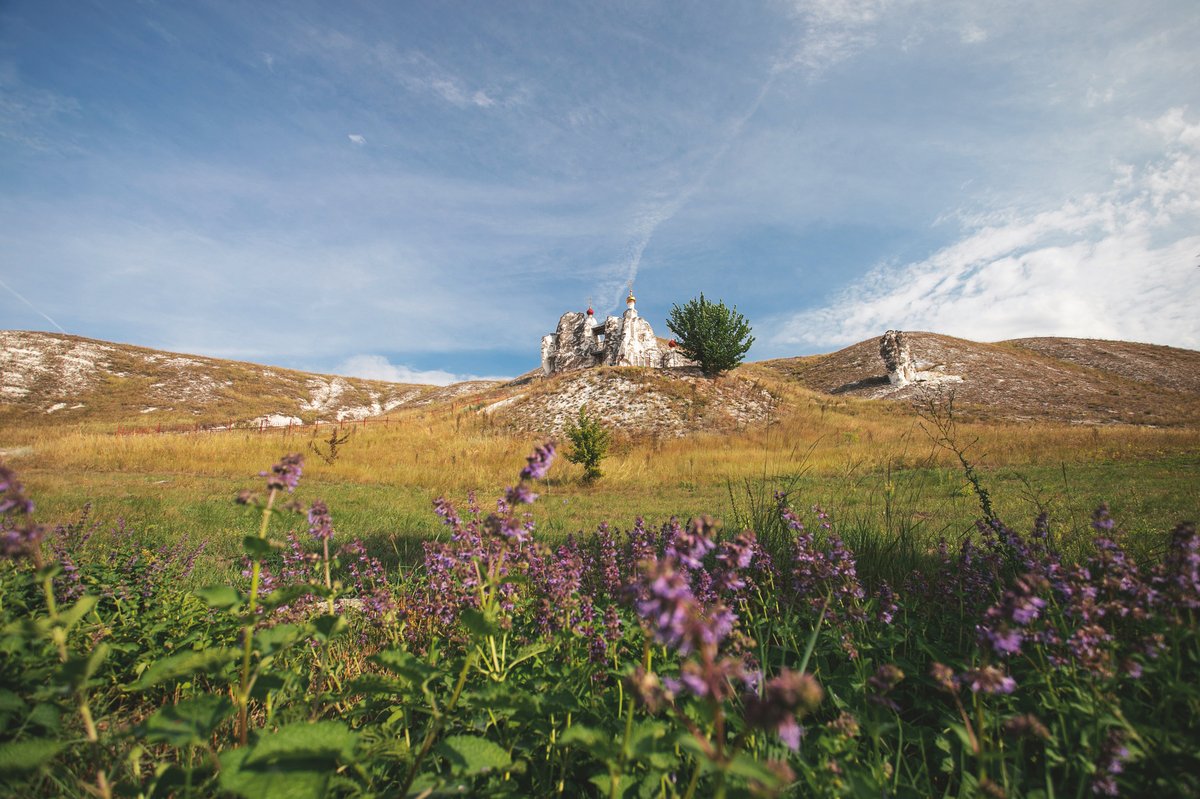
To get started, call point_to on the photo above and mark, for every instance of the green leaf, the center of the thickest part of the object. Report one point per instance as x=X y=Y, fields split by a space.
x=257 y=548
x=312 y=743
x=27 y=755
x=645 y=738
x=327 y=627
x=183 y=664
x=584 y=737
x=373 y=684
x=603 y=782
x=285 y=595
x=470 y=755
x=277 y=638
x=220 y=597
x=265 y=684
x=190 y=722
x=404 y=664
x=478 y=623
x=271 y=782
x=79 y=668
x=745 y=766
x=47 y=716
x=10 y=701
x=74 y=614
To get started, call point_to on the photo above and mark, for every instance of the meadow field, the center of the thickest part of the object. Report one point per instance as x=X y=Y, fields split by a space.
x=853 y=600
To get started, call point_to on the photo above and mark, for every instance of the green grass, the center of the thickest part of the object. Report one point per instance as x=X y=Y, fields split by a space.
x=918 y=505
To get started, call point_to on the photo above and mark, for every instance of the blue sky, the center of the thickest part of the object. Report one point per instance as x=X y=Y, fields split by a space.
x=416 y=191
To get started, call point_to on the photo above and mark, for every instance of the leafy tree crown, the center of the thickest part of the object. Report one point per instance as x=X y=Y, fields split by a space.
x=714 y=336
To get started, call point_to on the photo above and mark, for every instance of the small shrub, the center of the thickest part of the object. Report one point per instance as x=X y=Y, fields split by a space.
x=589 y=442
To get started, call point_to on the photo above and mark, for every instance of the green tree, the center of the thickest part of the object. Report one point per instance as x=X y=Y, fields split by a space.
x=589 y=444
x=710 y=334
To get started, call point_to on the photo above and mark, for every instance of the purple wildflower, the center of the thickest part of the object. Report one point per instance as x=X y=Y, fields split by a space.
x=286 y=473
x=539 y=462
x=1110 y=764
x=785 y=697
x=320 y=522
x=1026 y=726
x=881 y=683
x=989 y=680
x=667 y=602
x=520 y=495
x=12 y=494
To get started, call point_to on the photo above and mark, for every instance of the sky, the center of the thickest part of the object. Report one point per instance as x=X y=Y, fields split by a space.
x=416 y=191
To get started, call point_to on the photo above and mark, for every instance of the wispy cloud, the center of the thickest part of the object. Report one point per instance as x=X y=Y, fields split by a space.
x=378 y=367
x=655 y=213
x=357 y=138
x=833 y=31
x=1116 y=264
x=27 y=113
x=415 y=70
x=33 y=307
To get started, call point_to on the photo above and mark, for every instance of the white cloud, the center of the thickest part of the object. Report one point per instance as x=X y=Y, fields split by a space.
x=377 y=367
x=973 y=34
x=1118 y=264
x=834 y=30
x=357 y=138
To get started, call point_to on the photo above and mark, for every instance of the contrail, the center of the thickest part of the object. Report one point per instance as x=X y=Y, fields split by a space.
x=652 y=219
x=14 y=292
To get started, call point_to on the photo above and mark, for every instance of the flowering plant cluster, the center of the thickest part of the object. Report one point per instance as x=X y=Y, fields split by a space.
x=674 y=660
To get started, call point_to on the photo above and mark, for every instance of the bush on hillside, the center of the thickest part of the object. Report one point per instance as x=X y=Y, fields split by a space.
x=589 y=442
x=714 y=336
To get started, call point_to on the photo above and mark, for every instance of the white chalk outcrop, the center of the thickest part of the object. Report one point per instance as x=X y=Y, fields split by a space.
x=580 y=342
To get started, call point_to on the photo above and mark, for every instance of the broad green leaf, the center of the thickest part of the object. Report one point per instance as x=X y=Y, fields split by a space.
x=747 y=767
x=183 y=664
x=72 y=615
x=285 y=595
x=603 y=781
x=9 y=701
x=47 y=716
x=312 y=743
x=257 y=548
x=27 y=755
x=647 y=737
x=220 y=597
x=469 y=755
x=377 y=684
x=585 y=737
x=265 y=684
x=79 y=668
x=478 y=623
x=404 y=664
x=190 y=722
x=327 y=627
x=279 y=637
x=270 y=782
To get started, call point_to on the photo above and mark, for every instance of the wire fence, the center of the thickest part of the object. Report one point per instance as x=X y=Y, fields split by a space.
x=251 y=426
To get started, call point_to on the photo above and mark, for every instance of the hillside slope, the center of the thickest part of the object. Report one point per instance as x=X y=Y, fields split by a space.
x=1081 y=381
x=49 y=378
x=658 y=402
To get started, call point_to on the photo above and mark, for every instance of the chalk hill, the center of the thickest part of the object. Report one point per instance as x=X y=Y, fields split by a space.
x=54 y=379
x=49 y=378
x=1080 y=381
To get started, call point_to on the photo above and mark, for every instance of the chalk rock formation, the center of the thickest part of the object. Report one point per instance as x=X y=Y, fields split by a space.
x=580 y=342
x=903 y=370
x=897 y=357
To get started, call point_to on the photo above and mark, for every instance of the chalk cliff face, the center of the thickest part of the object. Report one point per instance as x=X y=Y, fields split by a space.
x=903 y=370
x=581 y=342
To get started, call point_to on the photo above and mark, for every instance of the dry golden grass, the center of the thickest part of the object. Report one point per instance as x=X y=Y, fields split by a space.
x=456 y=448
